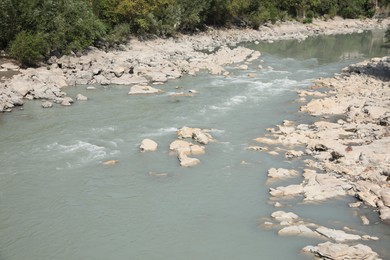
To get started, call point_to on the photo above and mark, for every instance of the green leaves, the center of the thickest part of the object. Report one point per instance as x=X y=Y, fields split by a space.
x=28 y=48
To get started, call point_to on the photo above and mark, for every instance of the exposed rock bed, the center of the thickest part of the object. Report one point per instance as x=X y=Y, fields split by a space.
x=346 y=151
x=156 y=61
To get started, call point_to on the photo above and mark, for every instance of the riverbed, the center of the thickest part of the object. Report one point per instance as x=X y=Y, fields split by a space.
x=58 y=201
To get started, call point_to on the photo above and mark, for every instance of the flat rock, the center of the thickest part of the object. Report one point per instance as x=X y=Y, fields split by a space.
x=281 y=173
x=337 y=235
x=139 y=89
x=297 y=230
x=337 y=251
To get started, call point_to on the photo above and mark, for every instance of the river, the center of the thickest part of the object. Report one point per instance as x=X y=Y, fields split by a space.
x=57 y=200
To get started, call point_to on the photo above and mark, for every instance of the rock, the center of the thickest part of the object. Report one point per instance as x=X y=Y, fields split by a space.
x=148 y=145
x=9 y=66
x=65 y=102
x=91 y=88
x=355 y=204
x=336 y=251
x=139 y=89
x=292 y=154
x=281 y=173
x=184 y=132
x=197 y=134
x=110 y=162
x=188 y=162
x=337 y=235
x=384 y=213
x=47 y=104
x=290 y=190
x=81 y=97
x=284 y=216
x=118 y=71
x=243 y=67
x=257 y=148
x=385 y=195
x=200 y=136
x=297 y=230
x=181 y=146
x=365 y=220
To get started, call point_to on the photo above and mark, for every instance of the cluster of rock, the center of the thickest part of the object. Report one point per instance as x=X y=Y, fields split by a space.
x=346 y=150
x=184 y=149
x=290 y=224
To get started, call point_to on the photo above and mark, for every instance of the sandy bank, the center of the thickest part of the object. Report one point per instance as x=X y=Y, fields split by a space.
x=159 y=60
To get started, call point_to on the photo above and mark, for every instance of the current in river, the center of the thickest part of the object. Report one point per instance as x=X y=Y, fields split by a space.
x=57 y=200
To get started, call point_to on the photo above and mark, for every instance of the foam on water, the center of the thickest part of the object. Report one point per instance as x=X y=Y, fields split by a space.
x=85 y=151
x=161 y=131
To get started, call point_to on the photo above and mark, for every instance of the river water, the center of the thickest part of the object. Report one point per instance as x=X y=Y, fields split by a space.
x=57 y=201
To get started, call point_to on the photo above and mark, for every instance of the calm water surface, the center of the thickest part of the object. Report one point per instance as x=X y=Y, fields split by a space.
x=57 y=201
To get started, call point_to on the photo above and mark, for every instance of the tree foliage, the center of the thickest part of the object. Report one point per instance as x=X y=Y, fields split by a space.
x=71 y=25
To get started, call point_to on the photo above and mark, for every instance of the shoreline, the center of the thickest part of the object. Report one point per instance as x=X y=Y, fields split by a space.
x=157 y=61
x=343 y=157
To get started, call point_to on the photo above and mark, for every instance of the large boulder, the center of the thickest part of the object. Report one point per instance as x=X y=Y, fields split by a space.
x=337 y=251
x=148 y=145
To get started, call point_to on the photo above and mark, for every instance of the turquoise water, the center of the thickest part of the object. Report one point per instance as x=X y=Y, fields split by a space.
x=58 y=201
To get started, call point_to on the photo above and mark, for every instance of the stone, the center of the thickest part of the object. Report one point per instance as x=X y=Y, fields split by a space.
x=284 y=216
x=200 y=136
x=292 y=154
x=290 y=190
x=385 y=196
x=118 y=71
x=297 y=230
x=9 y=66
x=281 y=173
x=337 y=235
x=139 y=89
x=47 y=104
x=257 y=148
x=365 y=220
x=65 y=102
x=110 y=162
x=243 y=67
x=384 y=213
x=188 y=162
x=148 y=145
x=81 y=97
x=338 y=251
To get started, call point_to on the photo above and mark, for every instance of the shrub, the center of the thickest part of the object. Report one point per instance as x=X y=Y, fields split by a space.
x=119 y=34
x=28 y=48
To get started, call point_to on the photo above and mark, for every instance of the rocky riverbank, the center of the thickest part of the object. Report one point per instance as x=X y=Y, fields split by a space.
x=142 y=63
x=346 y=153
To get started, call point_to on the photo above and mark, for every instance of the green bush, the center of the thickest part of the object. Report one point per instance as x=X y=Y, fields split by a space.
x=28 y=48
x=307 y=20
x=119 y=34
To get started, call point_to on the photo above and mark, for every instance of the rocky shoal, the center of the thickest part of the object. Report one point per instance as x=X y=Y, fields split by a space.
x=141 y=63
x=346 y=152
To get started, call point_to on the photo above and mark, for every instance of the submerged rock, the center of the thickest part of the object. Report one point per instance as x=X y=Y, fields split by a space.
x=140 y=89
